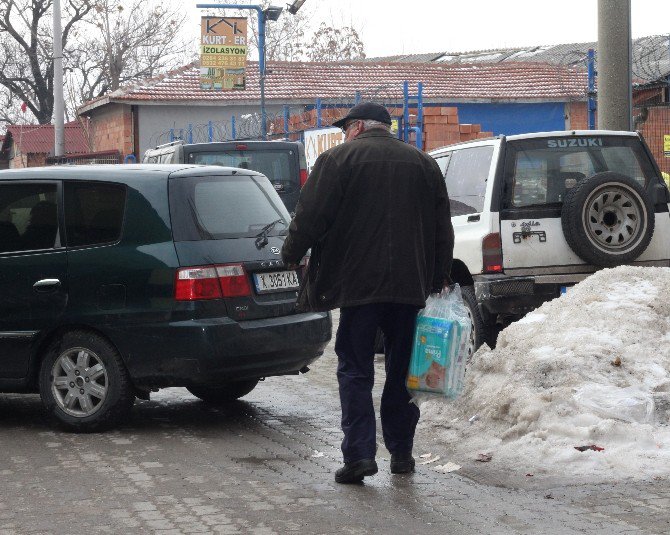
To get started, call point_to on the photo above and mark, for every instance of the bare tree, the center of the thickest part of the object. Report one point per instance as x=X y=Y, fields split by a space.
x=285 y=39
x=292 y=38
x=106 y=43
x=126 y=43
x=26 y=58
x=335 y=44
x=12 y=109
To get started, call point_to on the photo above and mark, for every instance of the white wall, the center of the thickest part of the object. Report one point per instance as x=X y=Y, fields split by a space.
x=156 y=119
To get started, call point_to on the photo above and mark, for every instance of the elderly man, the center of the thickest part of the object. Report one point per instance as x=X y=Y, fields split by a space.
x=375 y=212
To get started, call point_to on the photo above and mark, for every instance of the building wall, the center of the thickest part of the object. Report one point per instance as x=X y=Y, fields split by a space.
x=19 y=160
x=155 y=122
x=111 y=128
x=577 y=116
x=112 y=125
x=513 y=118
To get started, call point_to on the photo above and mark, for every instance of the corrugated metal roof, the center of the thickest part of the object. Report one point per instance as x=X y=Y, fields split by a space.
x=39 y=139
x=289 y=81
x=651 y=56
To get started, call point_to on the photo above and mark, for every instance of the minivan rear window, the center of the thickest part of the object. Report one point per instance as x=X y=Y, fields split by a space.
x=274 y=164
x=221 y=207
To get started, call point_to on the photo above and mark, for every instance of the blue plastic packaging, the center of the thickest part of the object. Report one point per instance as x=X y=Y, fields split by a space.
x=439 y=352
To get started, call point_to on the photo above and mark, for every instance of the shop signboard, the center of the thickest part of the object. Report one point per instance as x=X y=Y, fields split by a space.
x=223 y=53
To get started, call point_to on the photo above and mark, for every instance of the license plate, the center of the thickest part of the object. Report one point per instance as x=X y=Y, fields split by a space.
x=277 y=281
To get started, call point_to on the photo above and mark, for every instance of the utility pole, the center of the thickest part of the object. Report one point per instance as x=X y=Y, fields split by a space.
x=58 y=106
x=615 y=100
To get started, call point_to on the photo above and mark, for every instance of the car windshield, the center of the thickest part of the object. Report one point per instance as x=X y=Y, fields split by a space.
x=220 y=207
x=274 y=164
x=539 y=171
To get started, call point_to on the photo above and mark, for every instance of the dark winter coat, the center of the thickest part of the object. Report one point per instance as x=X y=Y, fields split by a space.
x=375 y=213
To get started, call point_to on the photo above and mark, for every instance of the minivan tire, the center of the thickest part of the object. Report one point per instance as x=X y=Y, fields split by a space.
x=480 y=330
x=224 y=393
x=84 y=383
x=608 y=219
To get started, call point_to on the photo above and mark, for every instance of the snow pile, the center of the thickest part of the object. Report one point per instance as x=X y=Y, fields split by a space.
x=589 y=368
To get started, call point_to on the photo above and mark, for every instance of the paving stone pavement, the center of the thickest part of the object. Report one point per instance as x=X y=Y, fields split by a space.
x=264 y=465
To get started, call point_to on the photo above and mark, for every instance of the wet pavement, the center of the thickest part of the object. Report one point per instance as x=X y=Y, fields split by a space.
x=265 y=465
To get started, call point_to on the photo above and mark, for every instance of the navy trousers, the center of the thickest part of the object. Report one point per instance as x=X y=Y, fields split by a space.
x=354 y=345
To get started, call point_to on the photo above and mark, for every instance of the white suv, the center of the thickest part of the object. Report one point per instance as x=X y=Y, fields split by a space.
x=536 y=213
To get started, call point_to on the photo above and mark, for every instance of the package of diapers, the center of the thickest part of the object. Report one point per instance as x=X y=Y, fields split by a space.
x=440 y=348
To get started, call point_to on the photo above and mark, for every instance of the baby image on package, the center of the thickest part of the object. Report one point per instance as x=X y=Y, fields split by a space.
x=439 y=351
x=432 y=354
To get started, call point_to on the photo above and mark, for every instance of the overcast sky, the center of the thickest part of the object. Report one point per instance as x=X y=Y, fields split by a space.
x=401 y=26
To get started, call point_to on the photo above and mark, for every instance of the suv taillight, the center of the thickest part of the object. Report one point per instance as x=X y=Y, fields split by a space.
x=211 y=282
x=303 y=177
x=492 y=253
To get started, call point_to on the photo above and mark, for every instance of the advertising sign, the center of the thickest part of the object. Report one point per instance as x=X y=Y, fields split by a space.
x=666 y=146
x=223 y=52
x=320 y=140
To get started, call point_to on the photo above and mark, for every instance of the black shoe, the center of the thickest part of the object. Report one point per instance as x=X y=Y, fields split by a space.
x=402 y=463
x=356 y=471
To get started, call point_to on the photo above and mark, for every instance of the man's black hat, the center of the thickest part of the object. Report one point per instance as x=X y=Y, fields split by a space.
x=366 y=110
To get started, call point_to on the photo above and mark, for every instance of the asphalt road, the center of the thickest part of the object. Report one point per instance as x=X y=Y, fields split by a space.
x=265 y=465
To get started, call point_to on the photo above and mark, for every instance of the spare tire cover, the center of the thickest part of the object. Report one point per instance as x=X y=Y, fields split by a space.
x=608 y=219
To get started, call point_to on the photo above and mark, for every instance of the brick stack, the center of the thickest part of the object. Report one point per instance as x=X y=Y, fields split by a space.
x=441 y=127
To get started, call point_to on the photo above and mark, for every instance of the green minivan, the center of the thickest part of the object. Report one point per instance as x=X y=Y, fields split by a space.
x=118 y=280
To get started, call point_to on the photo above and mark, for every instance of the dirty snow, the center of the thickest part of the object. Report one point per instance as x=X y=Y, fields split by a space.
x=591 y=367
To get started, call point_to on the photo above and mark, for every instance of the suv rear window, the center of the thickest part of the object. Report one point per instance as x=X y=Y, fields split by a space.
x=540 y=170
x=220 y=207
x=274 y=164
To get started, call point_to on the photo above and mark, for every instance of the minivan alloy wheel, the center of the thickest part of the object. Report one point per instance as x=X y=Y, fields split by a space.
x=79 y=382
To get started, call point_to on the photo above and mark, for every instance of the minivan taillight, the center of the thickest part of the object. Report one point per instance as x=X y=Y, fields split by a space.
x=492 y=253
x=303 y=177
x=197 y=283
x=234 y=281
x=211 y=282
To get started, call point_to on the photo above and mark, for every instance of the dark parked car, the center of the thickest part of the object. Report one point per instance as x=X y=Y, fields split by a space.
x=119 y=280
x=283 y=162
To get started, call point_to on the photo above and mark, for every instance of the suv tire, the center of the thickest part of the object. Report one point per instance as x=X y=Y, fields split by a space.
x=608 y=219
x=225 y=393
x=84 y=384
x=480 y=330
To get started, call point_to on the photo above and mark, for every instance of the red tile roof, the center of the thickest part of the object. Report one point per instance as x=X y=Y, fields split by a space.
x=39 y=139
x=290 y=81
